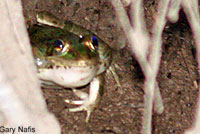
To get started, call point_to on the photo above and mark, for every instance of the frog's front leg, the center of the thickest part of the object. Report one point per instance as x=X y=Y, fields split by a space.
x=88 y=102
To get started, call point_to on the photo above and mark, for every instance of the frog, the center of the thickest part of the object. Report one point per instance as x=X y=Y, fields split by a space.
x=70 y=56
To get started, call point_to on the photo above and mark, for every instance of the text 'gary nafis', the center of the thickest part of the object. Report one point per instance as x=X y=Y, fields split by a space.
x=18 y=129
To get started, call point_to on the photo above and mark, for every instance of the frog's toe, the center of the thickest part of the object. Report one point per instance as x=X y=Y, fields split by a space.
x=82 y=108
x=87 y=102
x=78 y=102
x=81 y=95
x=85 y=105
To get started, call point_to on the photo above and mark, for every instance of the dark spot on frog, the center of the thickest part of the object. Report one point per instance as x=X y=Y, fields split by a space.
x=57 y=67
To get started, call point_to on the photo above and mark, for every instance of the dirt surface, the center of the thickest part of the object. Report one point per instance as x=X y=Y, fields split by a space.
x=120 y=110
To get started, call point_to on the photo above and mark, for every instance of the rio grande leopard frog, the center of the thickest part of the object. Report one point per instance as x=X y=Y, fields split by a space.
x=69 y=56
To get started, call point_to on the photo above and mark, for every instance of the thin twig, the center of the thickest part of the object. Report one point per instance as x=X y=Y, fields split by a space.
x=139 y=40
x=192 y=13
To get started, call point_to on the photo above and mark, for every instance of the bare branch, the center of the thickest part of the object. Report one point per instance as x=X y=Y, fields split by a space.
x=21 y=101
x=139 y=40
x=174 y=8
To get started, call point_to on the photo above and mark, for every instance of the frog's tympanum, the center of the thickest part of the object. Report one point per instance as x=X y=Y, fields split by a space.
x=69 y=56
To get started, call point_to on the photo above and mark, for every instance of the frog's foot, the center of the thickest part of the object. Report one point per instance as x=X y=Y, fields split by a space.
x=85 y=105
x=87 y=102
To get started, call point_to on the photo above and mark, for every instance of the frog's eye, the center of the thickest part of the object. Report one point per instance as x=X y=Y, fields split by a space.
x=94 y=41
x=61 y=47
x=90 y=42
x=58 y=46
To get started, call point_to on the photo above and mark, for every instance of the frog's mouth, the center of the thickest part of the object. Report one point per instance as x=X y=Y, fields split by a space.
x=69 y=73
x=69 y=77
x=59 y=62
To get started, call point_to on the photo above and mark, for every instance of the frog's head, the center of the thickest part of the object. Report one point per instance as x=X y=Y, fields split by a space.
x=67 y=60
x=70 y=51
